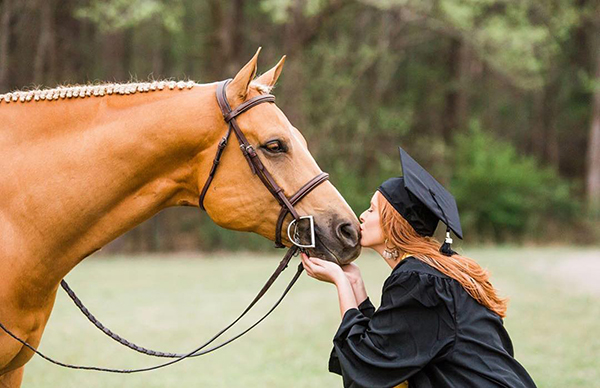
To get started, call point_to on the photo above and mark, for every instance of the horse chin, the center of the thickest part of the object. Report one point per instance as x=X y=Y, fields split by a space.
x=324 y=255
x=323 y=251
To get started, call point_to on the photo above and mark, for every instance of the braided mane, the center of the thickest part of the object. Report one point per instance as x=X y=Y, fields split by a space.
x=84 y=91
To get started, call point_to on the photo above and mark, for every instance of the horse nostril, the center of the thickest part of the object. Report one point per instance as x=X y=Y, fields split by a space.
x=347 y=234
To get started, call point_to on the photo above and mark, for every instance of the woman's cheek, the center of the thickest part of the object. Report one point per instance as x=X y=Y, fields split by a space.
x=364 y=238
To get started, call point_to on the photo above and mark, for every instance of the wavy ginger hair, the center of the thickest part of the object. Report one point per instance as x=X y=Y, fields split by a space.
x=473 y=278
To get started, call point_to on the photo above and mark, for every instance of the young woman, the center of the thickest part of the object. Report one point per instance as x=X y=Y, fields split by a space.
x=440 y=319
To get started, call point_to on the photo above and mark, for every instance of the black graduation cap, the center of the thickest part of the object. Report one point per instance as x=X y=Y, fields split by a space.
x=422 y=200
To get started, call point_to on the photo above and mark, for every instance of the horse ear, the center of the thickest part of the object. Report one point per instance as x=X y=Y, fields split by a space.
x=237 y=90
x=270 y=77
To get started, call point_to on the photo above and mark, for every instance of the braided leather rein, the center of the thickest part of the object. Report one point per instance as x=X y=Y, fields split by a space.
x=287 y=206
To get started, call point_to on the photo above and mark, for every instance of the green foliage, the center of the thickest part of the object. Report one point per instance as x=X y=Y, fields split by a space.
x=279 y=10
x=115 y=15
x=501 y=194
x=519 y=39
x=355 y=109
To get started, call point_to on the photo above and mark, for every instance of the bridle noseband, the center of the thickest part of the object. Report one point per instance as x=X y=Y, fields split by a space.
x=259 y=169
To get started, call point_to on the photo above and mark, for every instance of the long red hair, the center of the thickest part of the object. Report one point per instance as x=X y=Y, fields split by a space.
x=473 y=278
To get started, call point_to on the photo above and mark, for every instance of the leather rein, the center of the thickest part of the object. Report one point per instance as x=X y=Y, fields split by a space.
x=287 y=206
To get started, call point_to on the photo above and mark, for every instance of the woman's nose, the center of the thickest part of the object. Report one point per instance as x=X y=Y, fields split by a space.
x=361 y=218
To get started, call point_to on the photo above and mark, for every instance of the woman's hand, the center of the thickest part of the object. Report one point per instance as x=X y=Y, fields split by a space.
x=322 y=270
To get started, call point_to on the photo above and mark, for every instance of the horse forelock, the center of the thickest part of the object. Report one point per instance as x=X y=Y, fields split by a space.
x=97 y=90
x=262 y=89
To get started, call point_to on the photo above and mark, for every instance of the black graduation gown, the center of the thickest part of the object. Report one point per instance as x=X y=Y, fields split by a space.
x=429 y=331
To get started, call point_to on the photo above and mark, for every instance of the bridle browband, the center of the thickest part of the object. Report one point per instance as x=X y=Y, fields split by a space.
x=287 y=206
x=256 y=165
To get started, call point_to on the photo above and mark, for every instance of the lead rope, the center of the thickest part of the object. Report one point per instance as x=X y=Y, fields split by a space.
x=178 y=357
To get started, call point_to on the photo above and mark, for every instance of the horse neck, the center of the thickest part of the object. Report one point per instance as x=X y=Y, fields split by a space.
x=81 y=173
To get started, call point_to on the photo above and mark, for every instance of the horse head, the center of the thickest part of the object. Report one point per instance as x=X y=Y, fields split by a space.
x=237 y=199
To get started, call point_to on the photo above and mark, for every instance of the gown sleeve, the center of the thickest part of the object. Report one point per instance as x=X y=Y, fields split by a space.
x=414 y=325
x=367 y=308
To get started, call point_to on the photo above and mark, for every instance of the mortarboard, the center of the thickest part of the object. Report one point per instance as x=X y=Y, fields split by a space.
x=422 y=201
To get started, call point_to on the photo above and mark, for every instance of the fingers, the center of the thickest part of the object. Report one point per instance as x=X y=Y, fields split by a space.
x=310 y=261
x=314 y=261
x=313 y=268
x=307 y=265
x=305 y=261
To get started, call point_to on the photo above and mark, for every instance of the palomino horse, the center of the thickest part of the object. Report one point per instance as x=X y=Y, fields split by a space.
x=78 y=172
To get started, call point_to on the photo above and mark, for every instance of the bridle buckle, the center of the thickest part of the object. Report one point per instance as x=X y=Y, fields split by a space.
x=294 y=240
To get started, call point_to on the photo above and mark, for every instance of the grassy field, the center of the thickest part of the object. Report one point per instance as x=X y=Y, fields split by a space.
x=173 y=303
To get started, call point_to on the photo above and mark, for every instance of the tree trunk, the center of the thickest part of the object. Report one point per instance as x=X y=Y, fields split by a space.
x=456 y=98
x=544 y=140
x=158 y=63
x=115 y=55
x=228 y=43
x=293 y=81
x=4 y=44
x=593 y=170
x=44 y=65
x=236 y=34
x=72 y=36
x=537 y=126
x=214 y=49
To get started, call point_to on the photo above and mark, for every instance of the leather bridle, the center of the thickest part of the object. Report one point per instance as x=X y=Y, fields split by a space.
x=259 y=169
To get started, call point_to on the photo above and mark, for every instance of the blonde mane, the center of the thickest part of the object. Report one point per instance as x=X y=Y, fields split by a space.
x=83 y=91
x=263 y=89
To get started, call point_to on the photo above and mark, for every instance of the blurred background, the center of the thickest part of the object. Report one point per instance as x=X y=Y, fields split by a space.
x=500 y=100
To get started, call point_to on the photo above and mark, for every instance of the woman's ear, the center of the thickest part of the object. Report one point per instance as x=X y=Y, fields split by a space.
x=237 y=90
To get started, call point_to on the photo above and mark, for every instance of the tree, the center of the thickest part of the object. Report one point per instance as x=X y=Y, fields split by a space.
x=5 y=33
x=44 y=65
x=593 y=151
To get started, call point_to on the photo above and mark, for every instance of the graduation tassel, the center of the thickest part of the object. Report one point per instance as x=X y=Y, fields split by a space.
x=446 y=248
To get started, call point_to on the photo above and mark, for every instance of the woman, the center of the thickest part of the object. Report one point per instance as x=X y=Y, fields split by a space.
x=440 y=319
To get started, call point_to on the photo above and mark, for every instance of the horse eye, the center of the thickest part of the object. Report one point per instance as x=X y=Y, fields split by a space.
x=274 y=146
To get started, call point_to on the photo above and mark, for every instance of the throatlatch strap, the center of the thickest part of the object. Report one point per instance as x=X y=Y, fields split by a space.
x=213 y=169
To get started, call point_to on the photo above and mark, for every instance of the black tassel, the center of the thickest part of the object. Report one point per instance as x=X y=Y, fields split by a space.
x=446 y=248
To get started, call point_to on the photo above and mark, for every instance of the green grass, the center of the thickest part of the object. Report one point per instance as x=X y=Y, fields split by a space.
x=174 y=303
